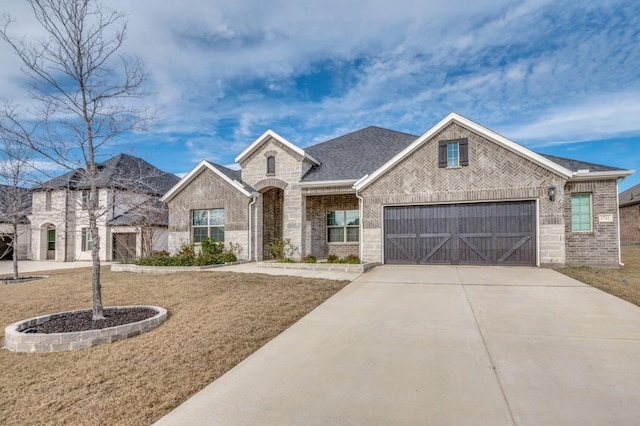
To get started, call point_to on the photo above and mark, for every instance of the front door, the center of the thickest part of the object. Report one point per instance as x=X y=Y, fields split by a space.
x=51 y=244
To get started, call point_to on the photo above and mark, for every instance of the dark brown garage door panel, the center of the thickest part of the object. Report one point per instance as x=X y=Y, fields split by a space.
x=481 y=233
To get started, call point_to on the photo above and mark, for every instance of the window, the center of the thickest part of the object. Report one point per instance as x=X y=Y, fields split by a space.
x=51 y=239
x=207 y=224
x=343 y=226
x=47 y=201
x=454 y=153
x=581 y=212
x=86 y=197
x=271 y=165
x=87 y=239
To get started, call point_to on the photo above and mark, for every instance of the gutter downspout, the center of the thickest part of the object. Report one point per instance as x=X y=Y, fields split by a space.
x=251 y=204
x=618 y=214
x=361 y=209
x=66 y=223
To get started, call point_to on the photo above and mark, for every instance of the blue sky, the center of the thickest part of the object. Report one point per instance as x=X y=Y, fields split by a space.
x=559 y=77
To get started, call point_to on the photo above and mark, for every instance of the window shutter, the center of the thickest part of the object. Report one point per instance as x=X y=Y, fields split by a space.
x=442 y=154
x=463 y=144
x=84 y=239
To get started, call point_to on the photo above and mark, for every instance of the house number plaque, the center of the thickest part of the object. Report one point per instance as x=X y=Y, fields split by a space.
x=605 y=218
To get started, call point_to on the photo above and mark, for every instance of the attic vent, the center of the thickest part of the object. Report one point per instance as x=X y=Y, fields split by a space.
x=583 y=170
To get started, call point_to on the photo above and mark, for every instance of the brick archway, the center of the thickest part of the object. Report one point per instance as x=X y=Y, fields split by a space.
x=272 y=217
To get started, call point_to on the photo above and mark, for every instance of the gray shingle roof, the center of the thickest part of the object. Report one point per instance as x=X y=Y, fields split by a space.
x=355 y=154
x=122 y=172
x=575 y=165
x=630 y=196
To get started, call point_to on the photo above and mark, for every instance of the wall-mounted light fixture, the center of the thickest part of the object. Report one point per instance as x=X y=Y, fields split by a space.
x=552 y=193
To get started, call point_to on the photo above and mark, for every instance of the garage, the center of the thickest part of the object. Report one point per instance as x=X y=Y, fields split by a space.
x=497 y=233
x=6 y=248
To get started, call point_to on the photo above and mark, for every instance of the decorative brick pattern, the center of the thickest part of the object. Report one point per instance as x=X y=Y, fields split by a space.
x=17 y=341
x=272 y=203
x=209 y=191
x=290 y=168
x=316 y=217
x=598 y=247
x=630 y=224
x=494 y=173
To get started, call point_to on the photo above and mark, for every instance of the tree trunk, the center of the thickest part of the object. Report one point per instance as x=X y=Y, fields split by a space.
x=15 y=251
x=98 y=311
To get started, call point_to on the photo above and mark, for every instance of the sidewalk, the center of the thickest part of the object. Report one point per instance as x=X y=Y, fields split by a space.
x=29 y=266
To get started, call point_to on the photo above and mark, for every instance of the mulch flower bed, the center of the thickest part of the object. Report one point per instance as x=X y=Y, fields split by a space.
x=82 y=321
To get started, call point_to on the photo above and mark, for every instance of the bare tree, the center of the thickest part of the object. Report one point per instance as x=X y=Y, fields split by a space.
x=83 y=91
x=15 y=199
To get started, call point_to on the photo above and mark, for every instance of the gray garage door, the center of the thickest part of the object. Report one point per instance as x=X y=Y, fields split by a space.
x=477 y=234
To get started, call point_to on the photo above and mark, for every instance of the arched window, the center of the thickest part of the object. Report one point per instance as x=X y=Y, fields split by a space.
x=271 y=165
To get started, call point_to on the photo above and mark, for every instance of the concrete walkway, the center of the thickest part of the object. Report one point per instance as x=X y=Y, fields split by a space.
x=29 y=266
x=441 y=345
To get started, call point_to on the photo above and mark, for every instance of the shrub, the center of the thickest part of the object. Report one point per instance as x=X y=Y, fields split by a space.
x=211 y=253
x=281 y=248
x=353 y=259
x=309 y=259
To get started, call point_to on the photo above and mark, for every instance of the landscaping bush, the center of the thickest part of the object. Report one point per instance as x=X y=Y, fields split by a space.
x=309 y=259
x=352 y=258
x=211 y=253
x=281 y=248
x=332 y=258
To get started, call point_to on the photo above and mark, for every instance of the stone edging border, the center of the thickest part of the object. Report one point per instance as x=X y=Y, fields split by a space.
x=337 y=267
x=130 y=267
x=16 y=341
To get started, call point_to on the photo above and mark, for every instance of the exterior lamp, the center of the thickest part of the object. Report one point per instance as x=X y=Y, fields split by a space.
x=552 y=193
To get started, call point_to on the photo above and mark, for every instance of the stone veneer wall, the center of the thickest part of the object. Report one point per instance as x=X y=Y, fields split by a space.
x=630 y=224
x=210 y=191
x=316 y=217
x=290 y=167
x=494 y=173
x=598 y=247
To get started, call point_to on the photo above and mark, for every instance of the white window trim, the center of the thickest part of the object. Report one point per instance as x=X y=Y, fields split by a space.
x=583 y=231
x=457 y=144
x=345 y=227
x=208 y=227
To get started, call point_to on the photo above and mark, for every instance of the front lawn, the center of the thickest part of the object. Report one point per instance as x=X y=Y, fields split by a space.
x=216 y=320
x=623 y=282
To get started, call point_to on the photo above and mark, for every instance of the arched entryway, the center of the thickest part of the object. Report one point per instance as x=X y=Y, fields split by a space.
x=272 y=217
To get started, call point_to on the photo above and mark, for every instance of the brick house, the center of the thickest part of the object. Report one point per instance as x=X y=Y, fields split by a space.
x=129 y=190
x=458 y=194
x=630 y=215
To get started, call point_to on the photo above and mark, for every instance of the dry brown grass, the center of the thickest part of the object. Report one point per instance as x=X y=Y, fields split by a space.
x=215 y=320
x=623 y=282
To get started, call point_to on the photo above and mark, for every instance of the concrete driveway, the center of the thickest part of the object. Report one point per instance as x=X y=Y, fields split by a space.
x=441 y=345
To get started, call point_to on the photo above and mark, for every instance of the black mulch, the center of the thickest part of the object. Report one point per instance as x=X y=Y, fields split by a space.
x=81 y=321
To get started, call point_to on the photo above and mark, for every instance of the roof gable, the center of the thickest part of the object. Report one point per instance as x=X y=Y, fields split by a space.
x=270 y=134
x=228 y=175
x=630 y=196
x=482 y=131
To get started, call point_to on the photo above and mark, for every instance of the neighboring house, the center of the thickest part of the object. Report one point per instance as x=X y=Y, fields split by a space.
x=458 y=194
x=7 y=198
x=128 y=198
x=630 y=215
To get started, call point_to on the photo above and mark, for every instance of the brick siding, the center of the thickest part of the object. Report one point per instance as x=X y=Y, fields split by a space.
x=598 y=247
x=494 y=173
x=316 y=217
x=630 y=224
